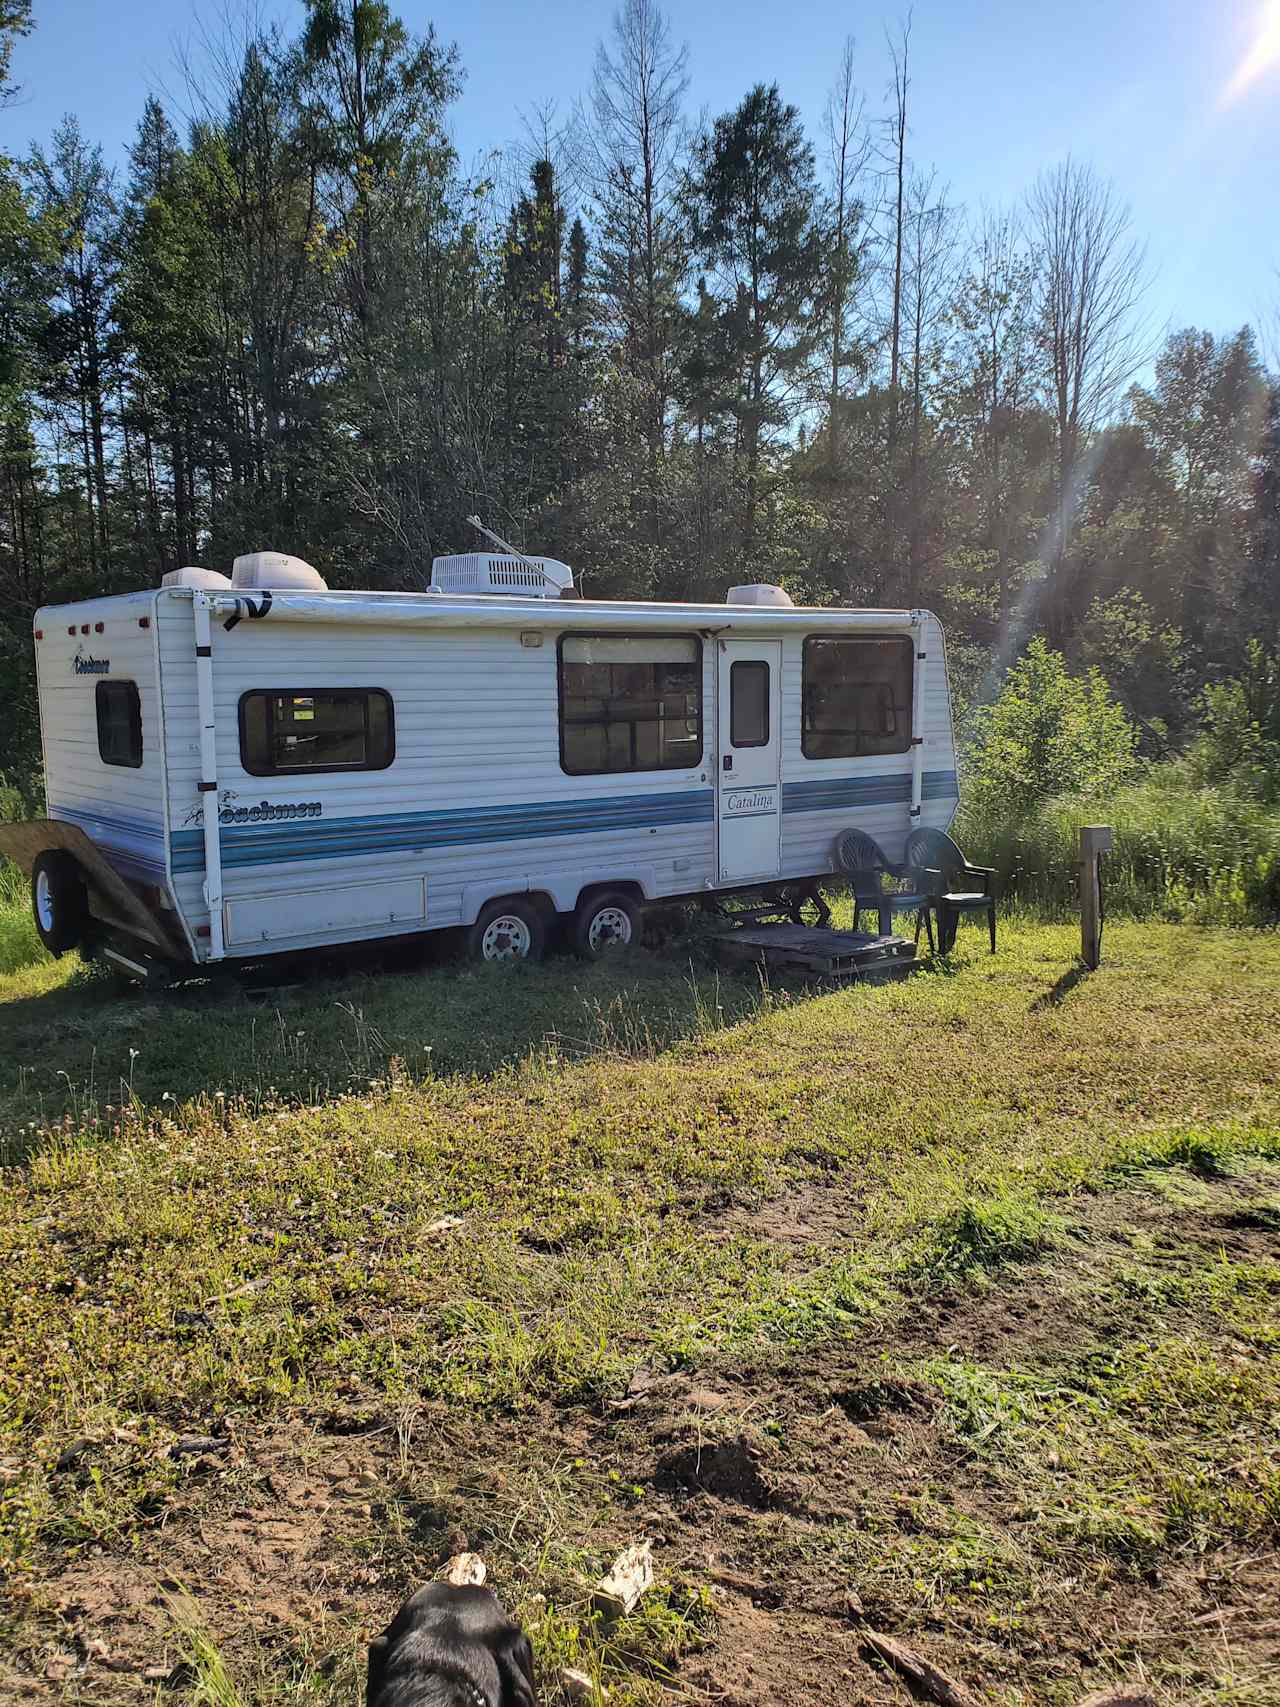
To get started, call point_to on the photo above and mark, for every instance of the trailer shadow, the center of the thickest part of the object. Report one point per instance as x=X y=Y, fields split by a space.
x=72 y=1057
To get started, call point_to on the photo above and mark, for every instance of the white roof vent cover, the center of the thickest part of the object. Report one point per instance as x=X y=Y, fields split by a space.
x=488 y=572
x=760 y=593
x=257 y=571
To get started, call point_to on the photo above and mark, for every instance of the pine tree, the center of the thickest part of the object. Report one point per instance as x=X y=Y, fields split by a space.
x=753 y=207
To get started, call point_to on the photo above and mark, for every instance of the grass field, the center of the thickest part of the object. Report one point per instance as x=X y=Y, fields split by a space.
x=949 y=1308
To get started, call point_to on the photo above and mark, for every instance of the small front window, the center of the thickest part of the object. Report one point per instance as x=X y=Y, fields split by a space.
x=856 y=696
x=283 y=732
x=119 y=723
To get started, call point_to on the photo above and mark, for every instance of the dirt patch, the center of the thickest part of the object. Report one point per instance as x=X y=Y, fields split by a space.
x=787 y=1661
x=895 y=1396
x=809 y=1223
x=730 y=1469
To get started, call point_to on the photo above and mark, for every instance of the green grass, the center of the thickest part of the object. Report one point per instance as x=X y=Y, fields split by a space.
x=487 y=1201
x=19 y=945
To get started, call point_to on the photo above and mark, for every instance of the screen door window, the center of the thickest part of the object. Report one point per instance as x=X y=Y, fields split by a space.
x=749 y=703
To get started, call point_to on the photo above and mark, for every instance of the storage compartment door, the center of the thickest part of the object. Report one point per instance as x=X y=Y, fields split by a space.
x=332 y=914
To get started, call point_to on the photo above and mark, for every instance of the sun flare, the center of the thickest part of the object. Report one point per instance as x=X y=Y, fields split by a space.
x=1263 y=54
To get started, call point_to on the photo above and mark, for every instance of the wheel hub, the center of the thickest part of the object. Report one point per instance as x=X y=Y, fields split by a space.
x=506 y=938
x=44 y=900
x=611 y=926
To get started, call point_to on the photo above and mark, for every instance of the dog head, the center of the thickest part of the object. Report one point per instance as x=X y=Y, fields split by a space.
x=451 y=1647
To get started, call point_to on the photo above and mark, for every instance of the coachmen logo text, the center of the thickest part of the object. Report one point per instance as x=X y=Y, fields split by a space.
x=267 y=813
x=85 y=666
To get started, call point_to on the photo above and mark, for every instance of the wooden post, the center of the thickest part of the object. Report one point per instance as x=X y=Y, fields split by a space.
x=1095 y=840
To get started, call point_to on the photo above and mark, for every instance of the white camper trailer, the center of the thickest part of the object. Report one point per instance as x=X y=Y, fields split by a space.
x=246 y=766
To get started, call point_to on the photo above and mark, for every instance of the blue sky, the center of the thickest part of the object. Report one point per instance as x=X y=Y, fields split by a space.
x=1001 y=89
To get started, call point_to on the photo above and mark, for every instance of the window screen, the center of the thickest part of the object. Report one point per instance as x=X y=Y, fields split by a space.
x=630 y=702
x=316 y=729
x=119 y=723
x=856 y=697
x=749 y=703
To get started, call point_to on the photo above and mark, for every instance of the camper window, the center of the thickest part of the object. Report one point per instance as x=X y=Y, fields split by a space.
x=119 y=723
x=630 y=702
x=856 y=696
x=286 y=730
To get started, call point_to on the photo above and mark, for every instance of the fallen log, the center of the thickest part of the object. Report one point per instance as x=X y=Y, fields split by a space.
x=920 y=1674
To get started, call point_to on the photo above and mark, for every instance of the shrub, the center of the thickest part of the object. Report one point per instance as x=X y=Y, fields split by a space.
x=1143 y=662
x=1239 y=741
x=1049 y=733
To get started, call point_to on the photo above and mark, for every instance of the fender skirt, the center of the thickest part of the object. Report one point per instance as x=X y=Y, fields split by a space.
x=111 y=900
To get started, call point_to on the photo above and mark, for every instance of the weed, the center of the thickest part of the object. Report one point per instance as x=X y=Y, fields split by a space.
x=983 y=1235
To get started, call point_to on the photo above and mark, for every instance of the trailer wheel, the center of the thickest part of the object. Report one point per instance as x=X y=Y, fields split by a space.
x=508 y=930
x=604 y=922
x=59 y=901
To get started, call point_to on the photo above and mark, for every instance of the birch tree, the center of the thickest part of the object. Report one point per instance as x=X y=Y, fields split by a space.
x=849 y=148
x=637 y=143
x=1092 y=281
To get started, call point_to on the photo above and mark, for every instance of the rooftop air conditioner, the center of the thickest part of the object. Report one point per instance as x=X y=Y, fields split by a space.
x=487 y=572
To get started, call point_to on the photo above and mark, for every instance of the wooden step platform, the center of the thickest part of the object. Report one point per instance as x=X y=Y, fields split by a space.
x=818 y=951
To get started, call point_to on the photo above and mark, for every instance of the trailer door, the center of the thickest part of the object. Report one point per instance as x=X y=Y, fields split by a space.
x=750 y=794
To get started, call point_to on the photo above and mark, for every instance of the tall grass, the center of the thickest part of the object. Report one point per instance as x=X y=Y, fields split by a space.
x=19 y=944
x=1205 y=855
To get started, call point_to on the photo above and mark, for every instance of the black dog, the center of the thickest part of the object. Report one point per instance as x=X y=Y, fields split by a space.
x=451 y=1647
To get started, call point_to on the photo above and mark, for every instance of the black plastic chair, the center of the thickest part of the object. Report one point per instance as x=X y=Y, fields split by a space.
x=862 y=860
x=936 y=865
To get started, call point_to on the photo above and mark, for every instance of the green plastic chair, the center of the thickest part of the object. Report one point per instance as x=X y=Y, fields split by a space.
x=862 y=860
x=936 y=865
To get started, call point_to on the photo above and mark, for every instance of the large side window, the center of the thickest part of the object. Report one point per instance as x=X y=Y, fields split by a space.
x=284 y=731
x=856 y=696
x=630 y=702
x=119 y=723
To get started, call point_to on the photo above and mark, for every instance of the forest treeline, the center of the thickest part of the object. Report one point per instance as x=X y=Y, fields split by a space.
x=676 y=354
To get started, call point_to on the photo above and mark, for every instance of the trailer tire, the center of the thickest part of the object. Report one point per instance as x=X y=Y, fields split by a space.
x=605 y=922
x=59 y=901
x=509 y=929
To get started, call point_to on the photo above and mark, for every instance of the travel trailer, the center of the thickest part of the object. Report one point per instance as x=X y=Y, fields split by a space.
x=252 y=765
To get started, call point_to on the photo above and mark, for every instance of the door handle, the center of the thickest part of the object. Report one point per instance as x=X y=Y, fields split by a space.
x=728 y=761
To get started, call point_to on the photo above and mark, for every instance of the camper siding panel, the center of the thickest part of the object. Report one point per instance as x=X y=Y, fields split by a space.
x=120 y=806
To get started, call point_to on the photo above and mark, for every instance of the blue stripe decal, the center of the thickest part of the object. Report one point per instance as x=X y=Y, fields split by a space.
x=149 y=829
x=399 y=832
x=395 y=832
x=134 y=846
x=134 y=865
x=839 y=793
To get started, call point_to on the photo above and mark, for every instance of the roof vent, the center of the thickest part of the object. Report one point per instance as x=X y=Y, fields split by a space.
x=760 y=593
x=209 y=580
x=257 y=571
x=485 y=572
